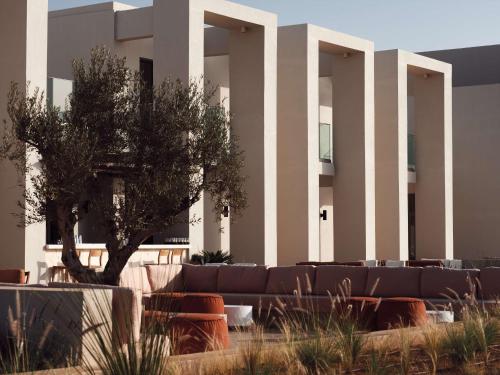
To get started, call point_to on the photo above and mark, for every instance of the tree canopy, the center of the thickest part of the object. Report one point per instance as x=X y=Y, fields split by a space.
x=160 y=146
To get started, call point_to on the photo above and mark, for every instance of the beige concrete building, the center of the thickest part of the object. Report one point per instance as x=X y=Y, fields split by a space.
x=325 y=103
x=476 y=139
x=324 y=122
x=414 y=192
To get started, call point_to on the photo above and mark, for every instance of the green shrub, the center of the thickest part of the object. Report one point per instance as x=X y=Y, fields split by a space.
x=218 y=256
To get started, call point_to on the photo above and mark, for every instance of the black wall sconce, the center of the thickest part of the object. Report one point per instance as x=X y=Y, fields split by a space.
x=225 y=211
x=323 y=215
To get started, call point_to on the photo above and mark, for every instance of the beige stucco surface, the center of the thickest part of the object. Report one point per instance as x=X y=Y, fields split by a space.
x=23 y=36
x=179 y=26
x=401 y=75
x=349 y=61
x=476 y=184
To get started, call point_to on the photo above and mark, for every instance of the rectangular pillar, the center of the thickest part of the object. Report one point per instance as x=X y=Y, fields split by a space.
x=298 y=120
x=23 y=37
x=353 y=155
x=178 y=53
x=216 y=233
x=391 y=159
x=433 y=190
x=252 y=80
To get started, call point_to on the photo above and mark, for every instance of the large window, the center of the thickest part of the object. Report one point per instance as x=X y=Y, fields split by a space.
x=325 y=142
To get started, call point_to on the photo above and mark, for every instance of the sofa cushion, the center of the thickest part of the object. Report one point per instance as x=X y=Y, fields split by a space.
x=200 y=278
x=288 y=280
x=135 y=278
x=393 y=282
x=489 y=279
x=165 y=277
x=330 y=279
x=441 y=282
x=242 y=279
x=14 y=276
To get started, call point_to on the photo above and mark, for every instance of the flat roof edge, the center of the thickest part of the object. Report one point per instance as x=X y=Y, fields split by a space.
x=94 y=8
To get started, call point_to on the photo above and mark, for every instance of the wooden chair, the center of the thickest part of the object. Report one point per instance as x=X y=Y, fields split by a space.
x=95 y=253
x=177 y=253
x=164 y=253
x=59 y=273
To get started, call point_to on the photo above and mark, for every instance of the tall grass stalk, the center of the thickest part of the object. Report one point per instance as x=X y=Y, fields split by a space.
x=32 y=341
x=114 y=352
x=404 y=351
x=433 y=342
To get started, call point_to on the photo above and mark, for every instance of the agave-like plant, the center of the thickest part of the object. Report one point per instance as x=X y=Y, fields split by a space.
x=349 y=343
x=316 y=355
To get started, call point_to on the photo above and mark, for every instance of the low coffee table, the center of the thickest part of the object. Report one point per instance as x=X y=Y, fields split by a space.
x=440 y=316
x=238 y=315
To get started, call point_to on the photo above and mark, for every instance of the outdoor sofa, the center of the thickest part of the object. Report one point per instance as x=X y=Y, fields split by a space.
x=261 y=286
x=385 y=294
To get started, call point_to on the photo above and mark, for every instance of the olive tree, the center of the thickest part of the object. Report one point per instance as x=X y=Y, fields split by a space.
x=162 y=147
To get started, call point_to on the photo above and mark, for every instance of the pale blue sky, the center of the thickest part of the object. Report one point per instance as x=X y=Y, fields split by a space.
x=414 y=25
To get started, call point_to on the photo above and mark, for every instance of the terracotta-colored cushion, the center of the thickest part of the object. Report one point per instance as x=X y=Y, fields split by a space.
x=12 y=276
x=203 y=303
x=393 y=282
x=331 y=280
x=400 y=312
x=242 y=279
x=438 y=282
x=489 y=278
x=200 y=278
x=290 y=279
x=135 y=278
x=165 y=277
x=192 y=333
x=169 y=302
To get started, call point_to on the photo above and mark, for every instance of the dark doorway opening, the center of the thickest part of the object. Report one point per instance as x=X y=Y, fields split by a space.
x=146 y=69
x=412 y=249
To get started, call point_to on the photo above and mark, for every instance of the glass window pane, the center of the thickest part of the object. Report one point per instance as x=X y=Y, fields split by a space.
x=325 y=151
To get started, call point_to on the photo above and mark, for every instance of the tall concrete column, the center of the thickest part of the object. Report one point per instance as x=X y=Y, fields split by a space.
x=23 y=37
x=353 y=155
x=391 y=158
x=433 y=190
x=178 y=53
x=252 y=77
x=298 y=119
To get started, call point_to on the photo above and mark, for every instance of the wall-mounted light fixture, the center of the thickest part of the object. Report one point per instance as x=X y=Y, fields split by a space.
x=323 y=215
x=243 y=29
x=225 y=211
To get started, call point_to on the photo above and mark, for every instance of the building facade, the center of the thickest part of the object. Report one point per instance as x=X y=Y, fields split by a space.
x=231 y=46
x=324 y=121
x=476 y=135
